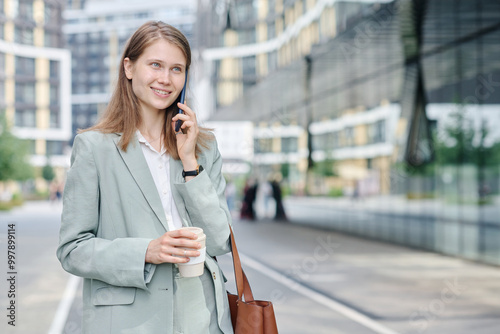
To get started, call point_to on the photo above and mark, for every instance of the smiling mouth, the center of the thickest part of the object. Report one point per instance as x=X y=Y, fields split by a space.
x=160 y=92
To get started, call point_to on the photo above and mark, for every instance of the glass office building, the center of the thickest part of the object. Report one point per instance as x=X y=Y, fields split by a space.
x=399 y=104
x=35 y=79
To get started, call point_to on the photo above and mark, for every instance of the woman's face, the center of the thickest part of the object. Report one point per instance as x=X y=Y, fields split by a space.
x=157 y=76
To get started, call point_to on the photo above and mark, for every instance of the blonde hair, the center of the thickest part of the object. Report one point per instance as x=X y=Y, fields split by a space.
x=122 y=114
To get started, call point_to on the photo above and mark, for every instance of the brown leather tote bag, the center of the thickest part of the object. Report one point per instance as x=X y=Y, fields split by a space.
x=248 y=316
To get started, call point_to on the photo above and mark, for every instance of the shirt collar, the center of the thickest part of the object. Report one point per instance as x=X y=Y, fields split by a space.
x=143 y=140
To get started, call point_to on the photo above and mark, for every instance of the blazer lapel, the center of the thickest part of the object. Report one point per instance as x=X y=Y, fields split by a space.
x=138 y=167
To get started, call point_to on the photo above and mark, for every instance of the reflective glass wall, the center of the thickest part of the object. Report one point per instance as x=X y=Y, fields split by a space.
x=402 y=106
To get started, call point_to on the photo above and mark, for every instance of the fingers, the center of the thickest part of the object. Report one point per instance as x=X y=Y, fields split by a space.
x=180 y=233
x=173 y=247
x=187 y=115
x=186 y=109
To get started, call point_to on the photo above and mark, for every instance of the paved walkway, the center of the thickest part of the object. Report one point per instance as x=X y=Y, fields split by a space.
x=407 y=290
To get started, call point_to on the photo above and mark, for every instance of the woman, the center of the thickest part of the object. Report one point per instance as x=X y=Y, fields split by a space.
x=126 y=197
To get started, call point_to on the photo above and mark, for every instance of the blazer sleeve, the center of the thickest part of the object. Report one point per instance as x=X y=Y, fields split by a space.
x=206 y=203
x=120 y=262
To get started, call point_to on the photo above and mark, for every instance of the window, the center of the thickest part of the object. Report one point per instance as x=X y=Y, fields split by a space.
x=349 y=137
x=54 y=118
x=54 y=94
x=25 y=118
x=54 y=69
x=25 y=10
x=51 y=39
x=376 y=132
x=249 y=70
x=335 y=142
x=263 y=145
x=25 y=66
x=51 y=15
x=23 y=35
x=289 y=145
x=25 y=93
x=54 y=147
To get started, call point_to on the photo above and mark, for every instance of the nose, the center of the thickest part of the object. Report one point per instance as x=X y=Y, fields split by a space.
x=164 y=77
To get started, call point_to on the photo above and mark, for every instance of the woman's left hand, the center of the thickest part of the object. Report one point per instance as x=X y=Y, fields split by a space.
x=187 y=136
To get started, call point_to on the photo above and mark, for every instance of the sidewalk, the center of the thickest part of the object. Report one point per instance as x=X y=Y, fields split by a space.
x=399 y=205
x=407 y=290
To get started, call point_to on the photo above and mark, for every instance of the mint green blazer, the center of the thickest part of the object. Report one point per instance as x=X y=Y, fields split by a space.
x=112 y=210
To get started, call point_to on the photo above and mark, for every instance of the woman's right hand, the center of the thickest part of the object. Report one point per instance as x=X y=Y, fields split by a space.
x=170 y=247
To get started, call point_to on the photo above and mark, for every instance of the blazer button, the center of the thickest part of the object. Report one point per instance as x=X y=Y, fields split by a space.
x=213 y=274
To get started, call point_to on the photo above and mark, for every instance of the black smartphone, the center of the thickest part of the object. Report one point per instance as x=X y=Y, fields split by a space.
x=183 y=96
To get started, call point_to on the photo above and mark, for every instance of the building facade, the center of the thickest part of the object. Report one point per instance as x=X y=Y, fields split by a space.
x=35 y=77
x=393 y=100
x=96 y=33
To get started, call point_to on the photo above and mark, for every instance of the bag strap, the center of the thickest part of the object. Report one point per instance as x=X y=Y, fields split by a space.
x=242 y=284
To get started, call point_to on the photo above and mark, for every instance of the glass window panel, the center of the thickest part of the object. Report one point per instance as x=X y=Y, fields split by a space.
x=54 y=118
x=23 y=35
x=25 y=66
x=25 y=93
x=25 y=118
x=54 y=94
x=54 y=69
x=54 y=147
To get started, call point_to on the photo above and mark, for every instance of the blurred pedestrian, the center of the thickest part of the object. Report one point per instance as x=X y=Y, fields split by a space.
x=53 y=189
x=267 y=193
x=249 y=195
x=134 y=182
x=280 y=210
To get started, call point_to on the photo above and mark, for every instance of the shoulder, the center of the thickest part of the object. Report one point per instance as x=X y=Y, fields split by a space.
x=96 y=136
x=95 y=139
x=95 y=143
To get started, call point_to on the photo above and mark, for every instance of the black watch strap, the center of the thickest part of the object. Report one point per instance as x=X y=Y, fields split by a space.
x=195 y=172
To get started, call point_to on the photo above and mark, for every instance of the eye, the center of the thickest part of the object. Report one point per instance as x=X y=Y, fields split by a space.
x=156 y=65
x=177 y=69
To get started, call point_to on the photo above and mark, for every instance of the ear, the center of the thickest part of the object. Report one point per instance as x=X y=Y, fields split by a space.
x=128 y=66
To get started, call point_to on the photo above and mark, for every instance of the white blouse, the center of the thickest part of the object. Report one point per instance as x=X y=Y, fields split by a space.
x=160 y=170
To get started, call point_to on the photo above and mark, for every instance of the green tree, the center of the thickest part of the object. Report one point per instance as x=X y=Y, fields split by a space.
x=324 y=168
x=462 y=143
x=457 y=145
x=48 y=172
x=13 y=155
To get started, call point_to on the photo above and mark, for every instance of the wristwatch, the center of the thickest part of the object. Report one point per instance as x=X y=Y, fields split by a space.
x=195 y=172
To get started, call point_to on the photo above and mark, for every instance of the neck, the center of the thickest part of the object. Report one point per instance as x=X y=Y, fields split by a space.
x=152 y=124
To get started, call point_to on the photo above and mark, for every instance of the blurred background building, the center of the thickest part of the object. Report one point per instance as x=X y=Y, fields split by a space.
x=35 y=78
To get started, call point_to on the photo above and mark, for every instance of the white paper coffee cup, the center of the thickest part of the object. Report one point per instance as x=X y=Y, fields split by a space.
x=196 y=264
